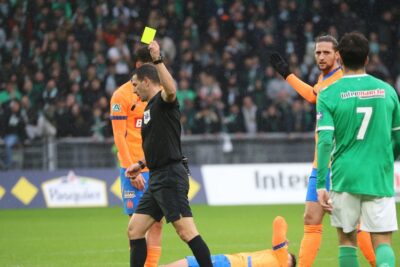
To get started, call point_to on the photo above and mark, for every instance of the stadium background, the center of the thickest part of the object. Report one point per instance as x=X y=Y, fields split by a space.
x=61 y=60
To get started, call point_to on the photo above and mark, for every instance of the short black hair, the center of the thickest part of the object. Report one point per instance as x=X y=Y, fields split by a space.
x=327 y=38
x=143 y=55
x=149 y=71
x=354 y=50
x=294 y=260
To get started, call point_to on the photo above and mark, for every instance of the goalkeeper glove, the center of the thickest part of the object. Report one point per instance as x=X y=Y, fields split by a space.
x=279 y=64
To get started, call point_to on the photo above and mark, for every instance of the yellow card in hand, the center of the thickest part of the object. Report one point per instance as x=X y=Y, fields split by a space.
x=148 y=35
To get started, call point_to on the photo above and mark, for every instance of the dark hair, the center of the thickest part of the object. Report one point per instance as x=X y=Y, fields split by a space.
x=143 y=55
x=354 y=50
x=328 y=38
x=294 y=260
x=149 y=71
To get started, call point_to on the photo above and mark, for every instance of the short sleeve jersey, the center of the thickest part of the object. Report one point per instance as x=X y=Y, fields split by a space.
x=362 y=111
x=161 y=132
x=126 y=106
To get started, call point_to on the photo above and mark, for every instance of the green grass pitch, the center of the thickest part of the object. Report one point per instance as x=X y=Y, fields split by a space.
x=97 y=236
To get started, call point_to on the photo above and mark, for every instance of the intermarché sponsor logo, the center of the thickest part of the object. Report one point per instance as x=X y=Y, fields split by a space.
x=376 y=93
x=280 y=180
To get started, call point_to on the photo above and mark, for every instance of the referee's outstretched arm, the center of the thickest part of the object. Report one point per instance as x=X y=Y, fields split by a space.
x=168 y=93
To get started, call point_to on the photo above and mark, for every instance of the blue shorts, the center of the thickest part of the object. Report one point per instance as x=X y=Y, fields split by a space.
x=219 y=260
x=130 y=194
x=312 y=186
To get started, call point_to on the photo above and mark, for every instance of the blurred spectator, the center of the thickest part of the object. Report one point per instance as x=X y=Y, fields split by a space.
x=269 y=119
x=68 y=57
x=14 y=132
x=184 y=93
x=11 y=92
x=249 y=113
x=206 y=121
x=234 y=120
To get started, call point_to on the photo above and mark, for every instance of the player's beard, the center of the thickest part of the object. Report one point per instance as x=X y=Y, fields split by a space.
x=325 y=67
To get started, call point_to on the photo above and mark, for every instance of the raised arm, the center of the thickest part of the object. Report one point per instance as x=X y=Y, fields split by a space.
x=169 y=88
x=302 y=88
x=282 y=67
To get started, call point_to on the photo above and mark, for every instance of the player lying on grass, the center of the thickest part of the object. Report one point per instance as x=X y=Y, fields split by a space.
x=278 y=256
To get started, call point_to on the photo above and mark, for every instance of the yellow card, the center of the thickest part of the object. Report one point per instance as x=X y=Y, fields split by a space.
x=148 y=35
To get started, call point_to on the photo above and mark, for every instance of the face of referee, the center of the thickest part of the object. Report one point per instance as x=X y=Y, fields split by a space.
x=325 y=56
x=139 y=88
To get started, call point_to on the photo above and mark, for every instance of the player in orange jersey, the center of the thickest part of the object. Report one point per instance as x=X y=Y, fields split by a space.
x=327 y=59
x=278 y=256
x=126 y=116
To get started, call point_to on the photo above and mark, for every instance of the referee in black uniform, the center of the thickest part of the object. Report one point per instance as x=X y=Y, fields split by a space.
x=169 y=183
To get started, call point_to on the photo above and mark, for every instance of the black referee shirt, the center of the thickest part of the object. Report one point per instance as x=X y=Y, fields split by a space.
x=161 y=132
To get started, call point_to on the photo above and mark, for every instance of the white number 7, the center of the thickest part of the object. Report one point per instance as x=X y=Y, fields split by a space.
x=364 y=124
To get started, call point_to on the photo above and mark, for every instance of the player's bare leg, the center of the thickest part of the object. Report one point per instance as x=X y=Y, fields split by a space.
x=187 y=231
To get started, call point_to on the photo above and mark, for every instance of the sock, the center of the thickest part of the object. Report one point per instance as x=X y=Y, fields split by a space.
x=365 y=244
x=153 y=256
x=200 y=251
x=138 y=252
x=310 y=244
x=348 y=256
x=279 y=241
x=385 y=256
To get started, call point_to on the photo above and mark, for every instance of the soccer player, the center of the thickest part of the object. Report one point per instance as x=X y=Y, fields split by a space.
x=326 y=57
x=169 y=182
x=126 y=116
x=278 y=256
x=362 y=115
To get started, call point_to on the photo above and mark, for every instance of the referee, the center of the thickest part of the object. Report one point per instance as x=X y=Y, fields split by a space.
x=169 y=183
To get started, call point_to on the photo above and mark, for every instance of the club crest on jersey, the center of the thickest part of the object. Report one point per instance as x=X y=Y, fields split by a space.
x=116 y=107
x=319 y=116
x=146 y=116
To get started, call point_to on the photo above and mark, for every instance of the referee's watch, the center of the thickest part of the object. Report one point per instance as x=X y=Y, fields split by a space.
x=159 y=60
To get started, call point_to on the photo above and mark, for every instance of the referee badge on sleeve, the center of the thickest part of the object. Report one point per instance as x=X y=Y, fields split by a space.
x=146 y=116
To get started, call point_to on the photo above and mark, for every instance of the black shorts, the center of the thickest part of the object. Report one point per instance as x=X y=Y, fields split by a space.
x=167 y=194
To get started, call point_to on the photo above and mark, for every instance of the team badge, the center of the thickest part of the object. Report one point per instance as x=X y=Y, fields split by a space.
x=116 y=107
x=319 y=116
x=146 y=116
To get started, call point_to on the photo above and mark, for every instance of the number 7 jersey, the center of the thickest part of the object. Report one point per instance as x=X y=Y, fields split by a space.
x=362 y=111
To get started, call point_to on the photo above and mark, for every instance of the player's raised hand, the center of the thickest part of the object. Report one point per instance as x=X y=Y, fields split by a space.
x=279 y=64
x=154 y=48
x=324 y=200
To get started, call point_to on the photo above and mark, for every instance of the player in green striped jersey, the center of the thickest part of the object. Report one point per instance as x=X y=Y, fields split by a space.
x=358 y=125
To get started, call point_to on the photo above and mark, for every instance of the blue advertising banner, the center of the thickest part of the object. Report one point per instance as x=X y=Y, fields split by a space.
x=73 y=188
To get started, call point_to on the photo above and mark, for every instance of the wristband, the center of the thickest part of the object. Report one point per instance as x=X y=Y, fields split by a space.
x=159 y=60
x=141 y=164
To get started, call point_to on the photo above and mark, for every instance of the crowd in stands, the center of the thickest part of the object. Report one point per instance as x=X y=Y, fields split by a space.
x=61 y=60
